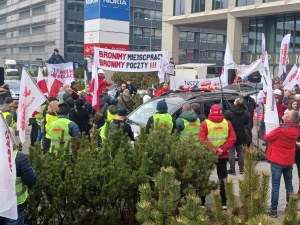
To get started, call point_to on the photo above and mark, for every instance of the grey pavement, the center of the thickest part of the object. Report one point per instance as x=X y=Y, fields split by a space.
x=261 y=166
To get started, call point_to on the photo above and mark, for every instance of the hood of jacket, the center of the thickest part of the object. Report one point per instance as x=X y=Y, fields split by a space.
x=113 y=109
x=189 y=116
x=3 y=91
x=290 y=130
x=126 y=97
x=238 y=110
x=5 y=108
x=215 y=118
x=66 y=95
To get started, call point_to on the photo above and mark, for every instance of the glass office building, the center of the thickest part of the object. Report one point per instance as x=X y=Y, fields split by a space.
x=275 y=27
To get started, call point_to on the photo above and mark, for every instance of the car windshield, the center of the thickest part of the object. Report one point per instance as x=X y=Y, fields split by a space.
x=11 y=67
x=142 y=114
x=13 y=84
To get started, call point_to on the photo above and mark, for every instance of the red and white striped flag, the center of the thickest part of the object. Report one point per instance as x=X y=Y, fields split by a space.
x=30 y=99
x=8 y=198
x=41 y=81
x=95 y=101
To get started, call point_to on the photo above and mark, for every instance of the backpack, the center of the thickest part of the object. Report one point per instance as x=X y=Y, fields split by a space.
x=99 y=115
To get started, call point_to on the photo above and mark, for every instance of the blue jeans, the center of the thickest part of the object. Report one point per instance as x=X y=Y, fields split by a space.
x=277 y=171
x=40 y=134
x=19 y=221
x=89 y=77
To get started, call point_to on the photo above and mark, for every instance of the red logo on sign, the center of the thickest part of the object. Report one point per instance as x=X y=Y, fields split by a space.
x=263 y=56
x=27 y=92
x=293 y=76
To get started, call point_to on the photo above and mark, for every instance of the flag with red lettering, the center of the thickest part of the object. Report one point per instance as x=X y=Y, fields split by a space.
x=228 y=64
x=30 y=99
x=164 y=63
x=284 y=51
x=41 y=81
x=95 y=101
x=292 y=78
x=8 y=198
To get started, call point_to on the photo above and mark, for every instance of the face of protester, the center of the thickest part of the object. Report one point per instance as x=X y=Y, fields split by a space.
x=295 y=105
x=166 y=86
x=87 y=86
x=116 y=88
x=56 y=53
x=101 y=74
x=123 y=86
x=129 y=82
x=287 y=117
x=287 y=94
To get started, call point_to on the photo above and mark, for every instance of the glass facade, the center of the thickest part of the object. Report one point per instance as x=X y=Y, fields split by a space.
x=244 y=2
x=274 y=28
x=220 y=4
x=179 y=7
x=198 y=6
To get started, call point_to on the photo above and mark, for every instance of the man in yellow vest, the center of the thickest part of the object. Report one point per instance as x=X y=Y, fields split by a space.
x=63 y=123
x=219 y=133
x=161 y=119
x=8 y=113
x=26 y=178
x=188 y=123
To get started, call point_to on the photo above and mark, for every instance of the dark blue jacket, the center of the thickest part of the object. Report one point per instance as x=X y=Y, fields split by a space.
x=26 y=172
x=56 y=59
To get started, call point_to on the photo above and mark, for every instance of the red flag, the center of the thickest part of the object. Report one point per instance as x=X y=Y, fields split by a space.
x=54 y=85
x=30 y=99
x=41 y=82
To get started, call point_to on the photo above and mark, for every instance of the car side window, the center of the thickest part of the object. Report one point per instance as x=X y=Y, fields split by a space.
x=208 y=105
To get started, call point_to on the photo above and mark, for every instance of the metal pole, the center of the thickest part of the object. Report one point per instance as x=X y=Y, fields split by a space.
x=150 y=35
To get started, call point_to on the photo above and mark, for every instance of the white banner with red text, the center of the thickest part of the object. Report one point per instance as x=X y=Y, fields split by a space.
x=64 y=72
x=292 y=78
x=204 y=84
x=284 y=50
x=128 y=61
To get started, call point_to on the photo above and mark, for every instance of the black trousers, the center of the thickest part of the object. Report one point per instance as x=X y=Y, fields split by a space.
x=46 y=145
x=222 y=174
x=33 y=134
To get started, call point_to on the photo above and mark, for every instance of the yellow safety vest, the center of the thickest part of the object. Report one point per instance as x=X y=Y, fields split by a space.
x=190 y=129
x=111 y=117
x=163 y=120
x=55 y=130
x=21 y=188
x=12 y=123
x=49 y=119
x=217 y=132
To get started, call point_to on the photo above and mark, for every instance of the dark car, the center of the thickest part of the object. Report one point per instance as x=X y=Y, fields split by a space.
x=175 y=101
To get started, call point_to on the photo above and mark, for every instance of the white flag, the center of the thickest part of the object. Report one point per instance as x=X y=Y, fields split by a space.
x=164 y=63
x=284 y=50
x=292 y=78
x=266 y=76
x=228 y=64
x=271 y=118
x=30 y=99
x=246 y=70
x=8 y=198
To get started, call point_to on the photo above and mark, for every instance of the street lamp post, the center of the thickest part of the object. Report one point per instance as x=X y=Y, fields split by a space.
x=150 y=32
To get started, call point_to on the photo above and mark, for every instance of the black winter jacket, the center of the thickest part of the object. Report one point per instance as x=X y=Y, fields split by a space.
x=239 y=119
x=68 y=99
x=81 y=117
x=26 y=172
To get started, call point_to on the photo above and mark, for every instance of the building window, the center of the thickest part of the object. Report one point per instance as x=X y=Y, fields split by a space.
x=271 y=1
x=2 y=20
x=74 y=47
x=36 y=49
x=12 y=17
x=75 y=6
x=244 y=41
x=198 y=6
x=2 y=35
x=24 y=14
x=24 y=50
x=220 y=4
x=179 y=7
x=75 y=26
x=24 y=32
x=146 y=13
x=2 y=50
x=38 y=30
x=10 y=2
x=297 y=35
x=2 y=5
x=244 y=2
x=187 y=36
x=38 y=10
x=15 y=33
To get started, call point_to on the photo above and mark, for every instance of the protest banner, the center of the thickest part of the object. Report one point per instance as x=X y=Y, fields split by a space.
x=126 y=61
x=284 y=50
x=59 y=74
x=228 y=64
x=204 y=84
x=245 y=70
